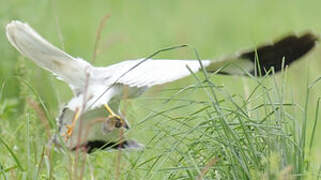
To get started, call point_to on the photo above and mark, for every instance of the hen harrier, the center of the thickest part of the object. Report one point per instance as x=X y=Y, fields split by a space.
x=97 y=89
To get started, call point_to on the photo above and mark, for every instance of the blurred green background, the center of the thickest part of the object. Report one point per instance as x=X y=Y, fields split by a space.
x=137 y=28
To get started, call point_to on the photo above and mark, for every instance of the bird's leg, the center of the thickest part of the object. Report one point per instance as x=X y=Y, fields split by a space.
x=120 y=121
x=111 y=112
x=70 y=127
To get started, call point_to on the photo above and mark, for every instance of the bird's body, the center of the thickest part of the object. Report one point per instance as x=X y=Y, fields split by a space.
x=95 y=87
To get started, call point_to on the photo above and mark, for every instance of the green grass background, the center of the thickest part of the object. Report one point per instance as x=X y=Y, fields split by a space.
x=136 y=29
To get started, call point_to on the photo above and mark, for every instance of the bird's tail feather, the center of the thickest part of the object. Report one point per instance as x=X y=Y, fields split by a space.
x=289 y=48
x=30 y=44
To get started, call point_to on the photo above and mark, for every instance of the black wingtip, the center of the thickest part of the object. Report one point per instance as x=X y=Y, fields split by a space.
x=291 y=48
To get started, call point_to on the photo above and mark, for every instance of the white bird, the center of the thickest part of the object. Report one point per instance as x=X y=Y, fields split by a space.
x=96 y=88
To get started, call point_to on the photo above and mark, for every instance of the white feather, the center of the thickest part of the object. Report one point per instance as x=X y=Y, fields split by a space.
x=149 y=73
x=104 y=83
x=30 y=44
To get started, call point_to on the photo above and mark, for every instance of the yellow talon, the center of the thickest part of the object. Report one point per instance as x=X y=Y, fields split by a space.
x=109 y=110
x=113 y=115
x=70 y=127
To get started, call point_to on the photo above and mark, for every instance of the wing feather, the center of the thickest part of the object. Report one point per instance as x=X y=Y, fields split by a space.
x=149 y=73
x=30 y=44
x=152 y=72
x=155 y=72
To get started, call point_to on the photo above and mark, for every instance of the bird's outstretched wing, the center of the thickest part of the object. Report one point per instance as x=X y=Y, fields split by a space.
x=154 y=72
x=148 y=73
x=30 y=44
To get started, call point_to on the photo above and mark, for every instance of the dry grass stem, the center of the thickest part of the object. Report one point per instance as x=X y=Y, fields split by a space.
x=98 y=36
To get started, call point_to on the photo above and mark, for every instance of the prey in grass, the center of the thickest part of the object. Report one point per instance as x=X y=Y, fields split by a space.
x=84 y=123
